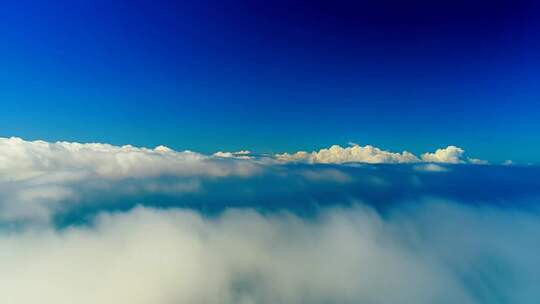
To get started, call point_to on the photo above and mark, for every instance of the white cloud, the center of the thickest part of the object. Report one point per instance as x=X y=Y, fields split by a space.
x=338 y=155
x=23 y=160
x=450 y=155
x=20 y=159
x=440 y=253
x=373 y=155
x=37 y=176
x=243 y=154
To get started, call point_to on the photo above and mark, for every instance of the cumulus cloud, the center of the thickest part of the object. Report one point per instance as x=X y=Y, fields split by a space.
x=451 y=155
x=373 y=155
x=355 y=153
x=435 y=253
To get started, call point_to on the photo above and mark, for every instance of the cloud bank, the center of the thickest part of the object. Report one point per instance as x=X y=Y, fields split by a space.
x=40 y=180
x=97 y=223
x=37 y=177
x=20 y=159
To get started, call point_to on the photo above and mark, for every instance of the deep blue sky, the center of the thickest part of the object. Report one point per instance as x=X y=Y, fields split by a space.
x=274 y=76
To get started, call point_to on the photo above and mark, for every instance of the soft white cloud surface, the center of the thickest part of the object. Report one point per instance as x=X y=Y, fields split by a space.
x=437 y=253
x=430 y=252
x=35 y=176
x=20 y=159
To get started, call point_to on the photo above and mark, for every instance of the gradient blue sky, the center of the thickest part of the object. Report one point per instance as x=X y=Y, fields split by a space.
x=291 y=75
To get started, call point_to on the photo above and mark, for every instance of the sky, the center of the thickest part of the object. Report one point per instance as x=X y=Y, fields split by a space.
x=274 y=77
x=258 y=152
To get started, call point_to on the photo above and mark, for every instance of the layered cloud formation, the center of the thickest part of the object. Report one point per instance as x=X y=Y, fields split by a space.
x=96 y=223
x=20 y=159
x=35 y=176
x=38 y=177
